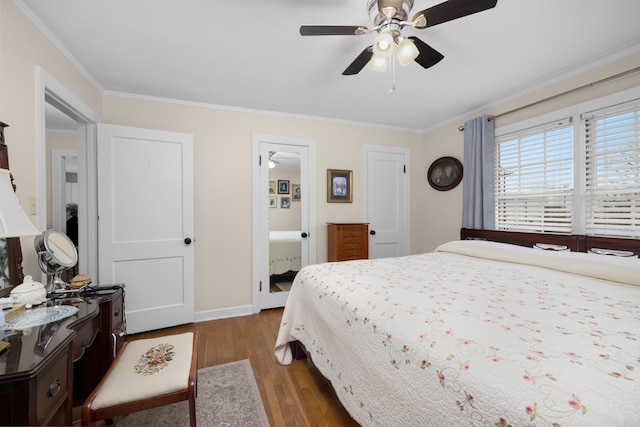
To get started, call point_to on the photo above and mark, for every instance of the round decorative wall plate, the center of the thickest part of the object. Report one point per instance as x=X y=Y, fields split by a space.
x=445 y=173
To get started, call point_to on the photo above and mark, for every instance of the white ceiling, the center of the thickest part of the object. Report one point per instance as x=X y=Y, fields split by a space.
x=249 y=55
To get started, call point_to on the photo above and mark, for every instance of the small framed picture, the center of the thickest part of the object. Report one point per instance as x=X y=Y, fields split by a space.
x=273 y=202
x=285 y=202
x=296 y=194
x=339 y=183
x=445 y=173
x=272 y=187
x=283 y=186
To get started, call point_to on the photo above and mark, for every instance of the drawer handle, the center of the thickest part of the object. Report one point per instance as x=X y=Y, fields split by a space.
x=114 y=345
x=54 y=388
x=116 y=313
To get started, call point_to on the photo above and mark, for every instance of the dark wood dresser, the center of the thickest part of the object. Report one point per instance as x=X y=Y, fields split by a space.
x=50 y=368
x=347 y=241
x=90 y=366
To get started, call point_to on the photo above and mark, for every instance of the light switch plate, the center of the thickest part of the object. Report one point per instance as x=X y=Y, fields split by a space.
x=33 y=205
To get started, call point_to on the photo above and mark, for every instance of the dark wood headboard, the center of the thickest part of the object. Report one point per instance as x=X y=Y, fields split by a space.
x=615 y=243
x=575 y=242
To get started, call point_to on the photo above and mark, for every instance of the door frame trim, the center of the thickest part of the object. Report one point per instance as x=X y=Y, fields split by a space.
x=256 y=140
x=406 y=153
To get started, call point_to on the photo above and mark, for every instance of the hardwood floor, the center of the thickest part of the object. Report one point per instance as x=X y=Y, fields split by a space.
x=294 y=395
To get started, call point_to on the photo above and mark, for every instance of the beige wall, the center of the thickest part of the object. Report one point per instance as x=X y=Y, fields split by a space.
x=223 y=221
x=22 y=48
x=223 y=251
x=443 y=212
x=222 y=152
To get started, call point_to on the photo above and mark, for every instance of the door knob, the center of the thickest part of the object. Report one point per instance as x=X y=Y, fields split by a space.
x=187 y=241
x=372 y=232
x=304 y=235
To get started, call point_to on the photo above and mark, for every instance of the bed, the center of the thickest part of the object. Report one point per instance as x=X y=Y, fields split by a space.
x=284 y=255
x=477 y=332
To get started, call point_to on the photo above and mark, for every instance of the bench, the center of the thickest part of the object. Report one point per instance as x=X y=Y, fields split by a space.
x=147 y=373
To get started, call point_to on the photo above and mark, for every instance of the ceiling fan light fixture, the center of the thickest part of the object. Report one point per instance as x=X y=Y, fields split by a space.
x=378 y=64
x=407 y=52
x=384 y=45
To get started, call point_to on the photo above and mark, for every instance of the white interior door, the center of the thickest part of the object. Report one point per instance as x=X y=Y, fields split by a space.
x=145 y=227
x=265 y=296
x=387 y=200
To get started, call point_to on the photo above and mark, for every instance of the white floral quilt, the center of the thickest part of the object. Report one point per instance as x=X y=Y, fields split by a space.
x=284 y=251
x=454 y=337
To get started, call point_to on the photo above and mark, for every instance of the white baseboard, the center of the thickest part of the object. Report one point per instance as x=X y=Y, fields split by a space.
x=223 y=313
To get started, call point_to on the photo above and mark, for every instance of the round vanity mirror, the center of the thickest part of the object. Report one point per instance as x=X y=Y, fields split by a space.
x=56 y=253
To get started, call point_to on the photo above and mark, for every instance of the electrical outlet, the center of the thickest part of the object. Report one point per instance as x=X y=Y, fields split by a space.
x=33 y=205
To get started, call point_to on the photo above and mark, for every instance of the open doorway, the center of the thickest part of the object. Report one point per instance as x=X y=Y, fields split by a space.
x=59 y=110
x=61 y=144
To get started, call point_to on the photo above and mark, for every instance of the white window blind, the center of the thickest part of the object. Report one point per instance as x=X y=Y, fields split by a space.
x=534 y=179
x=612 y=191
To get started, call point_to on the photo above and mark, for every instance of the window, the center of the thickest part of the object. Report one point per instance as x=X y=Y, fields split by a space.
x=612 y=188
x=534 y=179
x=578 y=174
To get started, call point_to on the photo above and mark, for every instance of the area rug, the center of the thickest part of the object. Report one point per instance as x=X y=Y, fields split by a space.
x=227 y=396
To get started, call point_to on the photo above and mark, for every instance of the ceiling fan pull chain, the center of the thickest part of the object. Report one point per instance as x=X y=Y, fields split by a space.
x=392 y=72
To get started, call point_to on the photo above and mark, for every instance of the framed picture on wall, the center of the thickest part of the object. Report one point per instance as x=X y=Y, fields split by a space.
x=296 y=194
x=445 y=173
x=272 y=187
x=339 y=183
x=285 y=202
x=273 y=202
x=283 y=186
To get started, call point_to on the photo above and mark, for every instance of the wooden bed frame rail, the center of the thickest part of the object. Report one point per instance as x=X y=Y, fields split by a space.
x=575 y=242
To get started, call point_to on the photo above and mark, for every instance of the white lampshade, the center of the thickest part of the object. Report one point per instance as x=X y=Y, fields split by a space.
x=384 y=45
x=13 y=220
x=378 y=64
x=407 y=51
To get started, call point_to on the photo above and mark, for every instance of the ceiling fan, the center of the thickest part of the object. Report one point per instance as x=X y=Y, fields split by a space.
x=389 y=17
x=283 y=160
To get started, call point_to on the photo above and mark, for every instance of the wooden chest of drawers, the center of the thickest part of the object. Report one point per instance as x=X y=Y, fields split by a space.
x=40 y=393
x=347 y=241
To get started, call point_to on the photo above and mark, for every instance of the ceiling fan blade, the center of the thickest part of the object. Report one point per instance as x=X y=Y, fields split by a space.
x=359 y=63
x=428 y=56
x=450 y=10
x=333 y=30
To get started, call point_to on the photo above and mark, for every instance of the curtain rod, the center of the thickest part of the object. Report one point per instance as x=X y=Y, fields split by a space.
x=588 y=85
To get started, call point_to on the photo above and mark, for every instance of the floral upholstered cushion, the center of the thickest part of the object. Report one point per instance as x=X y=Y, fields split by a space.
x=148 y=368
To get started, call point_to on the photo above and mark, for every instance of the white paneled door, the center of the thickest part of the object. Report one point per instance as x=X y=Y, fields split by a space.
x=145 y=225
x=387 y=200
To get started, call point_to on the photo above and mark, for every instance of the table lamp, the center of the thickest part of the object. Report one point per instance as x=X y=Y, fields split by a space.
x=13 y=220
